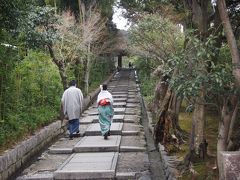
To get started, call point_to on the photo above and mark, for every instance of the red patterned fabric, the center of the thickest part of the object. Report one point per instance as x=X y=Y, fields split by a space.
x=104 y=102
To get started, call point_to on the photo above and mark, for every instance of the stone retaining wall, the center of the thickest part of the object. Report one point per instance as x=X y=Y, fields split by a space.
x=169 y=162
x=13 y=159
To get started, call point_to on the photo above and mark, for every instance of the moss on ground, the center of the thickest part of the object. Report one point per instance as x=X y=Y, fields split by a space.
x=204 y=169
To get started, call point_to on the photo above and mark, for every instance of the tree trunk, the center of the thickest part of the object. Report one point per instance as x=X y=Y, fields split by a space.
x=230 y=143
x=197 y=132
x=63 y=76
x=160 y=129
x=228 y=114
x=61 y=67
x=159 y=94
x=1 y=94
x=229 y=109
x=175 y=106
x=87 y=72
x=165 y=131
x=230 y=39
x=200 y=16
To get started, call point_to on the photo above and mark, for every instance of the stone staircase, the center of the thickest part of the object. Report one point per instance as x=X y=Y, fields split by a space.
x=123 y=156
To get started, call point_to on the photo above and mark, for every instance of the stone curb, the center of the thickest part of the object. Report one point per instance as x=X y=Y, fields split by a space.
x=168 y=168
x=13 y=159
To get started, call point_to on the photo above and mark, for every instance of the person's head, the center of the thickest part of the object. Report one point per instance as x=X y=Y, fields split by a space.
x=104 y=87
x=72 y=83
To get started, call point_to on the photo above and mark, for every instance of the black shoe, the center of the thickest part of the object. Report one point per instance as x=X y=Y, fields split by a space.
x=71 y=137
x=106 y=136
x=108 y=133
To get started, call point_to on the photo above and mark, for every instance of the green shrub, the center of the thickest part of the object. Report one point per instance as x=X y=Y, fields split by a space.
x=34 y=90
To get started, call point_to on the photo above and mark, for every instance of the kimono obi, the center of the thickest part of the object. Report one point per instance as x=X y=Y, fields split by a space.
x=104 y=102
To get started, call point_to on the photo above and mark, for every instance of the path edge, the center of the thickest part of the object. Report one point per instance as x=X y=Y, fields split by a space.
x=14 y=159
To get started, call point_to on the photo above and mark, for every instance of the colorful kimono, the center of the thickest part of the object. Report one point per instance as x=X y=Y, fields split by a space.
x=105 y=111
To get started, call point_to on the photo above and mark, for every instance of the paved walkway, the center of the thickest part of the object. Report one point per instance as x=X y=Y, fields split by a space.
x=123 y=156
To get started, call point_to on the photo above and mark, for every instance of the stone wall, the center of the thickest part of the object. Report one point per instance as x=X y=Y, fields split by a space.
x=13 y=159
x=169 y=162
x=230 y=166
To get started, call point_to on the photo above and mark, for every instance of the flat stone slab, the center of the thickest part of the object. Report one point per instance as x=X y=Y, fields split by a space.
x=132 y=93
x=42 y=176
x=125 y=175
x=60 y=150
x=119 y=92
x=44 y=166
x=130 y=133
x=132 y=118
x=133 y=90
x=94 y=111
x=132 y=127
x=116 y=118
x=133 y=141
x=132 y=105
x=87 y=119
x=91 y=112
x=111 y=86
x=132 y=149
x=119 y=110
x=119 y=96
x=65 y=143
x=132 y=96
x=133 y=111
x=88 y=166
x=82 y=128
x=119 y=104
x=133 y=100
x=120 y=99
x=98 y=144
x=94 y=129
x=129 y=121
x=132 y=162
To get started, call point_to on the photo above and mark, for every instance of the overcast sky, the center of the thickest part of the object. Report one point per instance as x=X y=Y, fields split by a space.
x=118 y=18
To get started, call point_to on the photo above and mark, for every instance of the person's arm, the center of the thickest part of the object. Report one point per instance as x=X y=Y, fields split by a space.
x=81 y=101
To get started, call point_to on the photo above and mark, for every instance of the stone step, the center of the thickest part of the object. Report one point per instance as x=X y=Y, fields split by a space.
x=119 y=92
x=132 y=105
x=98 y=144
x=120 y=96
x=60 y=150
x=133 y=100
x=88 y=166
x=119 y=104
x=125 y=175
x=122 y=156
x=94 y=119
x=132 y=162
x=94 y=111
x=94 y=129
x=123 y=99
x=130 y=133
x=42 y=176
x=132 y=149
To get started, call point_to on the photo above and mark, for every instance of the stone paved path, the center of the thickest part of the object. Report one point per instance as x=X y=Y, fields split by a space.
x=123 y=156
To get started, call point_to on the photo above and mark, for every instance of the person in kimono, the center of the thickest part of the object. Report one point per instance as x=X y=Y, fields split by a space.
x=105 y=110
x=72 y=101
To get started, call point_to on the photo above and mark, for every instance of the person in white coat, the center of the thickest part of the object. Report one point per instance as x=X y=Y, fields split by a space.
x=72 y=101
